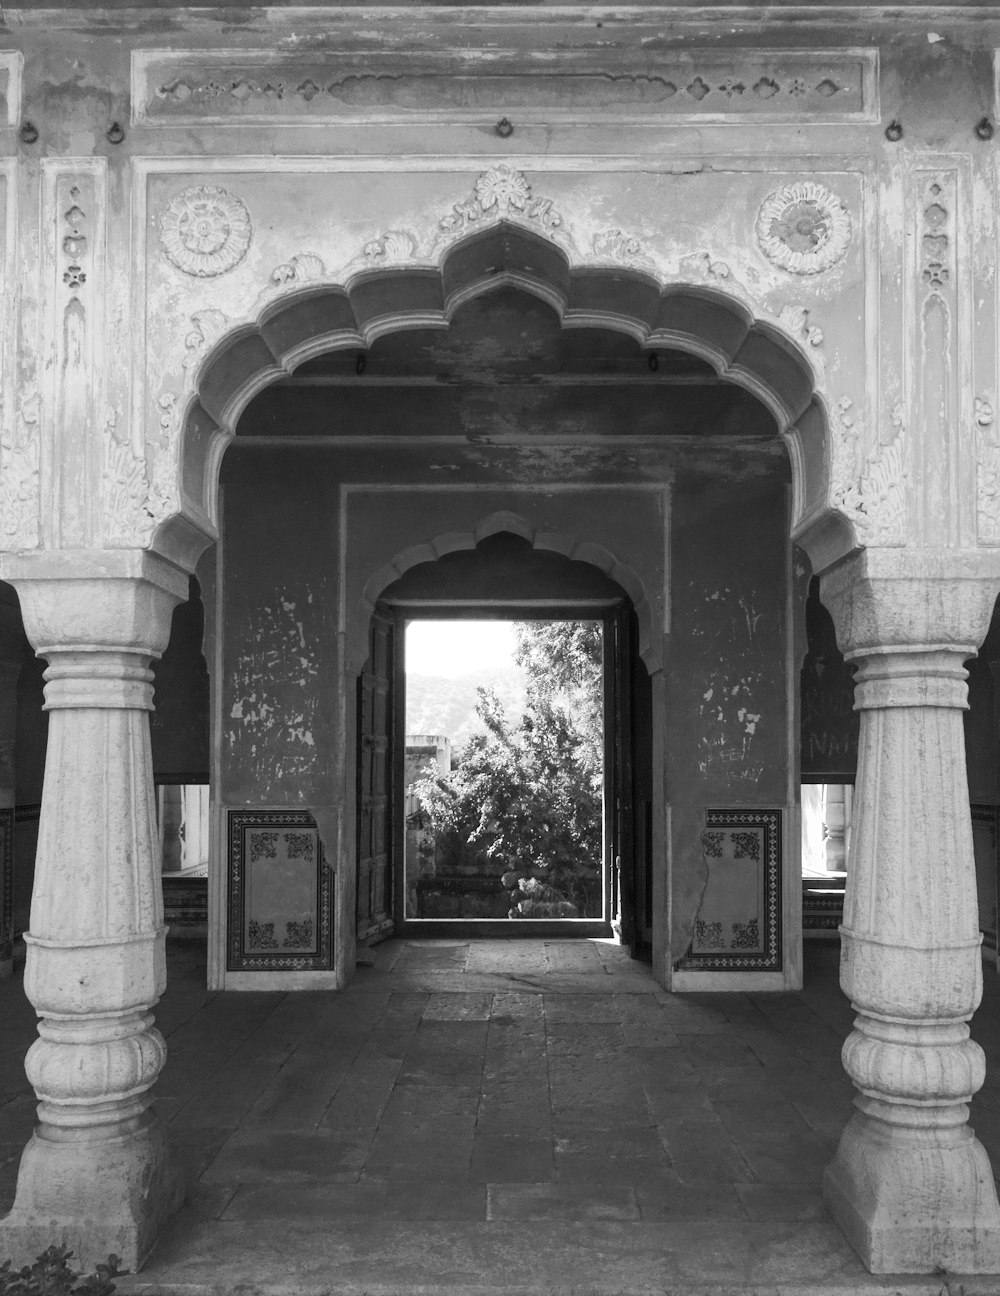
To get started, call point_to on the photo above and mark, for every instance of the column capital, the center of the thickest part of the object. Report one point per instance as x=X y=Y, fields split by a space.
x=889 y=601
x=96 y=600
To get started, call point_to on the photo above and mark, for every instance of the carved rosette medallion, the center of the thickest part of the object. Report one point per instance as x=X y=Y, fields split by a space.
x=803 y=228
x=205 y=231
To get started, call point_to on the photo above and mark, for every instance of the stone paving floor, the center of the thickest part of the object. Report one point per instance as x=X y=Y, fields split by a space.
x=517 y=1116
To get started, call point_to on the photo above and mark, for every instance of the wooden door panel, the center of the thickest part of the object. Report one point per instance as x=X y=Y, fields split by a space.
x=374 y=782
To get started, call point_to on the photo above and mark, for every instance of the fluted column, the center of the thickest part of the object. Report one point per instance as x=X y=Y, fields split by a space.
x=96 y=1174
x=910 y=1184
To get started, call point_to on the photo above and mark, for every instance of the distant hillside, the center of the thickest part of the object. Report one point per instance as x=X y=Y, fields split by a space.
x=435 y=705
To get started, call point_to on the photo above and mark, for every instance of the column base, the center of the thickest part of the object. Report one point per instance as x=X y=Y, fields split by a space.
x=910 y=1205
x=97 y=1197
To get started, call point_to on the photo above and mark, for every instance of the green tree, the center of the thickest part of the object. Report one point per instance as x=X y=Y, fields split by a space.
x=526 y=798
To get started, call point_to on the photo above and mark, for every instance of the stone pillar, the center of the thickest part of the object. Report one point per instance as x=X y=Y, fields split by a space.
x=910 y=1184
x=95 y=1175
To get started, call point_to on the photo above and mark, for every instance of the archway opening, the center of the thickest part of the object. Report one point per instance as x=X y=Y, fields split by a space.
x=540 y=822
x=592 y=439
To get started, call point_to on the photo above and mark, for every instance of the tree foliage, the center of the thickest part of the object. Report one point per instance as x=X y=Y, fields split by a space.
x=527 y=797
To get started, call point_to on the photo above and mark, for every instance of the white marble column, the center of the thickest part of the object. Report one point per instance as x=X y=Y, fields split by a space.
x=910 y=1184
x=95 y=1175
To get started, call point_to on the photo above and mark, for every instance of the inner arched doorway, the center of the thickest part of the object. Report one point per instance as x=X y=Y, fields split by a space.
x=589 y=444
x=591 y=772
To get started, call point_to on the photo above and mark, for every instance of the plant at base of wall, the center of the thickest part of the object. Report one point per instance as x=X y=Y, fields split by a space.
x=51 y=1275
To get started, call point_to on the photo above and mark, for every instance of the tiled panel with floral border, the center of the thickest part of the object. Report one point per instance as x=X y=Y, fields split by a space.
x=279 y=893
x=738 y=923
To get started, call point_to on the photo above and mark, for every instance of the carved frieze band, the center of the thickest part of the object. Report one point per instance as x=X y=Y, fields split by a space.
x=626 y=85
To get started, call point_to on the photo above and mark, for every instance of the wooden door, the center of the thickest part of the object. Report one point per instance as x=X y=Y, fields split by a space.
x=375 y=916
x=625 y=889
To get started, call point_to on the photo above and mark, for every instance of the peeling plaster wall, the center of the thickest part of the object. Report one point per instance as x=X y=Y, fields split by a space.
x=279 y=600
x=179 y=725
x=982 y=720
x=829 y=724
x=727 y=704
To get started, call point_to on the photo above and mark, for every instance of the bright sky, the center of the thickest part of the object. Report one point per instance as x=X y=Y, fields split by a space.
x=453 y=648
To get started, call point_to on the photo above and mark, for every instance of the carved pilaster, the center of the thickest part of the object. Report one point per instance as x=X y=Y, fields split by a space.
x=75 y=205
x=910 y=1184
x=934 y=379
x=95 y=1175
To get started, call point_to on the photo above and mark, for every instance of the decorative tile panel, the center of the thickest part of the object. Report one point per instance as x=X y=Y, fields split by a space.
x=738 y=923
x=239 y=87
x=279 y=893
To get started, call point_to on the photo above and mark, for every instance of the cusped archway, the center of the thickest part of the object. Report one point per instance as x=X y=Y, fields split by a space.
x=703 y=319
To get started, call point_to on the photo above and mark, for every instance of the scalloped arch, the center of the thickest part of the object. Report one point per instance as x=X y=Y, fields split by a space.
x=430 y=550
x=322 y=315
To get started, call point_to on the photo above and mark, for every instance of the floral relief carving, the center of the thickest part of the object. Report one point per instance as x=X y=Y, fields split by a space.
x=126 y=494
x=391 y=247
x=206 y=327
x=935 y=270
x=205 y=231
x=701 y=266
x=497 y=193
x=987 y=473
x=75 y=241
x=615 y=245
x=20 y=443
x=796 y=320
x=135 y=500
x=299 y=269
x=803 y=228
x=871 y=493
